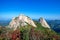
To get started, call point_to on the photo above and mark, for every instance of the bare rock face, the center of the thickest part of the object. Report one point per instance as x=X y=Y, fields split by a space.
x=21 y=20
x=44 y=23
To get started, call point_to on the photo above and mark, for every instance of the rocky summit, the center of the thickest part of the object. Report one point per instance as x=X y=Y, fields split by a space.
x=44 y=23
x=21 y=20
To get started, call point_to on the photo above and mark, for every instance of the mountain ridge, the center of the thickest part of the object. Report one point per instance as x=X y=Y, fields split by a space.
x=22 y=28
x=21 y=20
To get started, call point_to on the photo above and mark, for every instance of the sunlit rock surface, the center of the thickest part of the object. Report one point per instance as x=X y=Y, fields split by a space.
x=21 y=20
x=44 y=23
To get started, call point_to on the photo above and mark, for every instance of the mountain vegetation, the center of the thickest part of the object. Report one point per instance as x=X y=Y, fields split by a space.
x=27 y=32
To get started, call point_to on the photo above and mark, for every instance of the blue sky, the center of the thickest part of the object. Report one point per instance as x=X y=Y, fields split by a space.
x=49 y=9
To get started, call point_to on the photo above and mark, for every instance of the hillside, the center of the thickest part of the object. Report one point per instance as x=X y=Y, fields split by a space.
x=33 y=30
x=39 y=33
x=30 y=33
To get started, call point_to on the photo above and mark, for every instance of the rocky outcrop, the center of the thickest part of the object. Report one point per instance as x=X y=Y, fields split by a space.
x=44 y=23
x=21 y=20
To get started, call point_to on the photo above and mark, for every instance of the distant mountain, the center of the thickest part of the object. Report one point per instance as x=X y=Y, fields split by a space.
x=21 y=20
x=4 y=22
x=54 y=24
